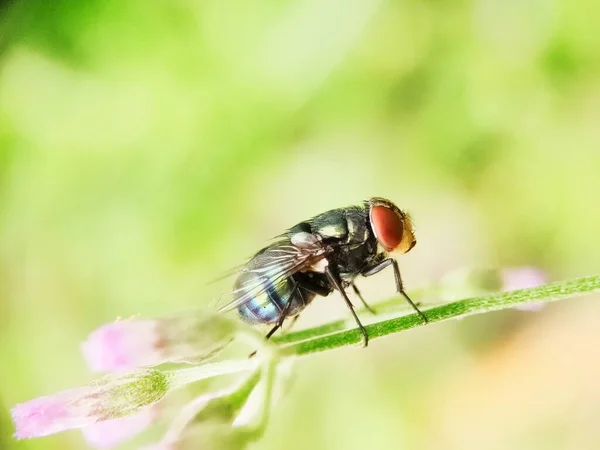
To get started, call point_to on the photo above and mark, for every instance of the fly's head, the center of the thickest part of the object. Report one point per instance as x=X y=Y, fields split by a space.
x=391 y=226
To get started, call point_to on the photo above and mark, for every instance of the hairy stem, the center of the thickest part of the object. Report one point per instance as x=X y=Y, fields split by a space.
x=331 y=336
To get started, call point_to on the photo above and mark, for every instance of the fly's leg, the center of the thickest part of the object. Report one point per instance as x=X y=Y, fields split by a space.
x=282 y=317
x=277 y=326
x=313 y=288
x=359 y=295
x=309 y=286
x=399 y=287
x=337 y=283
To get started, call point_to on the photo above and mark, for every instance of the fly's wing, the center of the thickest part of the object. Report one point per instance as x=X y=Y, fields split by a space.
x=279 y=260
x=237 y=269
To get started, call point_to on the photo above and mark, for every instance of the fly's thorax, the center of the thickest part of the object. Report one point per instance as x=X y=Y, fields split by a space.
x=351 y=239
x=359 y=231
x=350 y=260
x=330 y=225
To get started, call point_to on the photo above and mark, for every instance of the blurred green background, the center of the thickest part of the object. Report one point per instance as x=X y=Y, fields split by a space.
x=148 y=146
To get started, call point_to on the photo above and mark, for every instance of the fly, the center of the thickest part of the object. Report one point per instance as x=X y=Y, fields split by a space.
x=321 y=255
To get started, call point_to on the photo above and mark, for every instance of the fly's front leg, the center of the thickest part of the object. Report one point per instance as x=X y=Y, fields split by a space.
x=337 y=283
x=399 y=287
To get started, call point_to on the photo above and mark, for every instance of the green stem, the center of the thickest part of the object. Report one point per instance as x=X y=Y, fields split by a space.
x=391 y=305
x=329 y=336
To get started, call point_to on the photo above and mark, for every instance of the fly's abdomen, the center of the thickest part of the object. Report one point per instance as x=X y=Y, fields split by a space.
x=269 y=298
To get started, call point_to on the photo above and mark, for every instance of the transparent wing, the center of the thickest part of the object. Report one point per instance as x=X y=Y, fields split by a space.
x=232 y=271
x=273 y=263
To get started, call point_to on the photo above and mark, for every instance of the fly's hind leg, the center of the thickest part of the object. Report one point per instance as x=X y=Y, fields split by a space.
x=309 y=285
x=275 y=328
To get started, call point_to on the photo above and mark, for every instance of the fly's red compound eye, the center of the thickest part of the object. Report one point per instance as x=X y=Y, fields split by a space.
x=388 y=227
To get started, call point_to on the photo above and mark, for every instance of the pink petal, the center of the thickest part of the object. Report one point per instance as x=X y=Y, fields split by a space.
x=123 y=345
x=111 y=433
x=129 y=344
x=101 y=400
x=47 y=415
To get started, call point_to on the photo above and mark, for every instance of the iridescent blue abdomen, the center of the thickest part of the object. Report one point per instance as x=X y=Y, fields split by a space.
x=269 y=298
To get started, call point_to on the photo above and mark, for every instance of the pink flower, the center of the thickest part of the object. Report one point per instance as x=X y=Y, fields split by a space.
x=49 y=415
x=120 y=346
x=105 y=399
x=129 y=344
x=113 y=397
x=110 y=433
